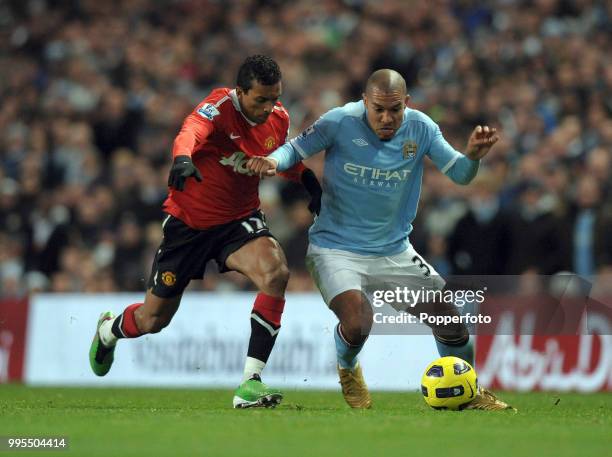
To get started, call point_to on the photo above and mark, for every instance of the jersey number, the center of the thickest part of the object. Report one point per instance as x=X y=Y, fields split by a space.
x=426 y=271
x=254 y=226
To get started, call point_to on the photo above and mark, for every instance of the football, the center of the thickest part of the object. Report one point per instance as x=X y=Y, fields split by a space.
x=449 y=383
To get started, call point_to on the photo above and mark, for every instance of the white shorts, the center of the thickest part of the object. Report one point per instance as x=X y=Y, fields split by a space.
x=335 y=271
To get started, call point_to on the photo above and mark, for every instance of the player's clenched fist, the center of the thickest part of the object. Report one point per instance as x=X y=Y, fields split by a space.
x=262 y=166
x=480 y=142
x=182 y=168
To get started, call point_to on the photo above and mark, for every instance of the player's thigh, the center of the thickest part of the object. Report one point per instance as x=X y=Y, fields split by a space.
x=181 y=257
x=334 y=271
x=260 y=259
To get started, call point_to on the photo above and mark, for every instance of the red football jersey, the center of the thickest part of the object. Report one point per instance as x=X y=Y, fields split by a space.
x=220 y=140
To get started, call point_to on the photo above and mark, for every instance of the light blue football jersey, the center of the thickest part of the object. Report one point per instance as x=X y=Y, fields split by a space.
x=371 y=187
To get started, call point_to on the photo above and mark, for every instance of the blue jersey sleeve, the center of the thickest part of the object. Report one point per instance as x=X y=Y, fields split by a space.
x=286 y=156
x=316 y=138
x=451 y=162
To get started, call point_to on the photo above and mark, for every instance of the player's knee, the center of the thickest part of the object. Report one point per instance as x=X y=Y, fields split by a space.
x=274 y=280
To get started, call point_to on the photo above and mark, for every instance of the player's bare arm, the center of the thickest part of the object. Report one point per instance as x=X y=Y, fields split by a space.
x=262 y=166
x=481 y=141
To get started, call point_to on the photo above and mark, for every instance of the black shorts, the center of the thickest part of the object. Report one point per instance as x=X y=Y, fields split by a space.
x=184 y=251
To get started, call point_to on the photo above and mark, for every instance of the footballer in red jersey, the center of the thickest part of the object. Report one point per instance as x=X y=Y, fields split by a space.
x=219 y=138
x=213 y=213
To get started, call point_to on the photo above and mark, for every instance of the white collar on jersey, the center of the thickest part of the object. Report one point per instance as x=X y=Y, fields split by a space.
x=236 y=103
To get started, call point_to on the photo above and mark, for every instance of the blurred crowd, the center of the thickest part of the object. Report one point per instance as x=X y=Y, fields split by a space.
x=92 y=94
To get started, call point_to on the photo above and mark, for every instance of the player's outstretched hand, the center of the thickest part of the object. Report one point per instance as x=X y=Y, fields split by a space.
x=262 y=166
x=480 y=142
x=182 y=168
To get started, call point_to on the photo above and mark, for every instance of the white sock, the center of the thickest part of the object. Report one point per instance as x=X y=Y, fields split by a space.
x=107 y=336
x=252 y=366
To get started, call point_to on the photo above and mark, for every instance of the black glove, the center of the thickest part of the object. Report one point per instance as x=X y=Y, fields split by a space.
x=182 y=168
x=311 y=184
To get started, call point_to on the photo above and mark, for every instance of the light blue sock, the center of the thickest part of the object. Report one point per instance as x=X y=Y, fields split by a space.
x=465 y=352
x=346 y=353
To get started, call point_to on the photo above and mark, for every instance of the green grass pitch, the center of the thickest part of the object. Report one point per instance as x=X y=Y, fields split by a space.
x=165 y=422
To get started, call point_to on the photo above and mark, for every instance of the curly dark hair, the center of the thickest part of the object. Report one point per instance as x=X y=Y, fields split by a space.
x=258 y=67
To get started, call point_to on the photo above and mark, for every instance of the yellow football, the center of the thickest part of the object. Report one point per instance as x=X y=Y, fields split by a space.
x=449 y=383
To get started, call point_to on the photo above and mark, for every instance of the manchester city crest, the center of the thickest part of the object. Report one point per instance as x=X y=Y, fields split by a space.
x=409 y=150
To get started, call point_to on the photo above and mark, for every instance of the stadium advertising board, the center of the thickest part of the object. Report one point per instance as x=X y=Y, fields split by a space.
x=13 y=322
x=205 y=345
x=522 y=353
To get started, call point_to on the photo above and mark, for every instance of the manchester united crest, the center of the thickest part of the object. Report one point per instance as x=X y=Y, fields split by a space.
x=409 y=150
x=168 y=278
x=270 y=143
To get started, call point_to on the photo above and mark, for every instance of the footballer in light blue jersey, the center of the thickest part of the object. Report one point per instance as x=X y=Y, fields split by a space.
x=371 y=186
x=375 y=150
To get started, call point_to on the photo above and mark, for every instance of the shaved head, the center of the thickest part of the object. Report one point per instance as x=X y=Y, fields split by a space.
x=386 y=81
x=385 y=100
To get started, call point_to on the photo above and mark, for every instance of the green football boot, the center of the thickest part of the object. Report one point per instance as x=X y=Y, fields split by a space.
x=253 y=393
x=101 y=357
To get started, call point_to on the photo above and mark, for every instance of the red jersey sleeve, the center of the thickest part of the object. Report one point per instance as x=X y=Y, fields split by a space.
x=196 y=128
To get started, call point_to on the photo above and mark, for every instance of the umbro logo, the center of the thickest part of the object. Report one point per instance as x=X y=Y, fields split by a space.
x=360 y=142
